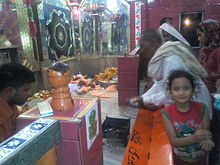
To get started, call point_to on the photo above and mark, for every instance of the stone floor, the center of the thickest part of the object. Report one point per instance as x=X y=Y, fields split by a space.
x=114 y=150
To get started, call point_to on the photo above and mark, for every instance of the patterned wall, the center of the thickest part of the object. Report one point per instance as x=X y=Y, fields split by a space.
x=137 y=22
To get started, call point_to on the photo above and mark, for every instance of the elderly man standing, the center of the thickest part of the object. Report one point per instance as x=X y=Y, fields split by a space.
x=172 y=55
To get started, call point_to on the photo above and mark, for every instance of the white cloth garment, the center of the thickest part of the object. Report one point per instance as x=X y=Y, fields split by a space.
x=171 y=30
x=177 y=48
x=159 y=69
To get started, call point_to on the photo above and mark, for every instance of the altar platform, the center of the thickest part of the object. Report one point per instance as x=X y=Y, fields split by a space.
x=81 y=132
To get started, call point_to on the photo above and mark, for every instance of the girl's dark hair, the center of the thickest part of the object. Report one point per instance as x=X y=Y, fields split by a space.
x=15 y=75
x=179 y=74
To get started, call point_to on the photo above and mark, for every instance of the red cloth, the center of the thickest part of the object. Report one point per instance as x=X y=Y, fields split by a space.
x=185 y=124
x=194 y=113
x=211 y=63
x=8 y=115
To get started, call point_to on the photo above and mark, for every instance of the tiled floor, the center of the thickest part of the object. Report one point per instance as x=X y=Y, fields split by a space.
x=114 y=150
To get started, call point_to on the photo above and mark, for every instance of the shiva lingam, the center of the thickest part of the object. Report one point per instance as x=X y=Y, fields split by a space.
x=59 y=75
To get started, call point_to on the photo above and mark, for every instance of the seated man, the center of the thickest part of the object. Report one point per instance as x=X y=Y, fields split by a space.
x=15 y=83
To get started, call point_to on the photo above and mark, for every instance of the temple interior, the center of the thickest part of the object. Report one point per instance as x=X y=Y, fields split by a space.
x=92 y=78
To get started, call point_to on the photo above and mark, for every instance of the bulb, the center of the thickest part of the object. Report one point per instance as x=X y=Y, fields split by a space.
x=187 y=22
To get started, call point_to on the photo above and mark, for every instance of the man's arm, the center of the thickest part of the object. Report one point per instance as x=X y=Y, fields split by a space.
x=157 y=94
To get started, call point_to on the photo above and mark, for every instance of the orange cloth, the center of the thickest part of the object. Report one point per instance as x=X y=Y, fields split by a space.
x=8 y=115
x=148 y=143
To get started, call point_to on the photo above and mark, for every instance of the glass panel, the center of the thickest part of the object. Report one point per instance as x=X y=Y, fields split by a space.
x=9 y=25
x=104 y=27
x=188 y=24
x=15 y=33
x=56 y=29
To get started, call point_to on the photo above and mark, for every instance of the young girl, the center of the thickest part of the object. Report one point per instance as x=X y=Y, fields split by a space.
x=186 y=122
